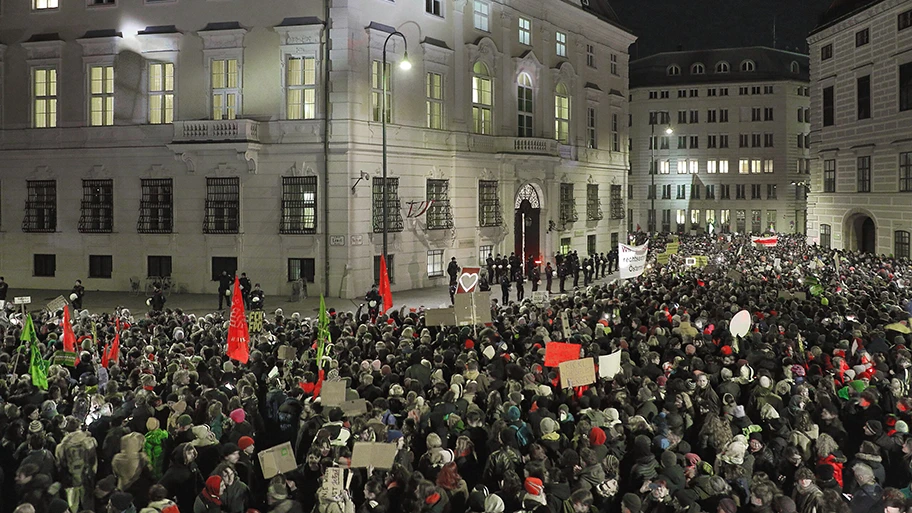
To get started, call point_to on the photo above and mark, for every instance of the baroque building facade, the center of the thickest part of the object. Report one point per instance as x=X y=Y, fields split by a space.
x=728 y=131
x=861 y=94
x=178 y=138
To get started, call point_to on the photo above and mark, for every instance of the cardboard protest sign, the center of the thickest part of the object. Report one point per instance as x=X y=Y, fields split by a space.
x=287 y=353
x=255 y=321
x=64 y=358
x=440 y=317
x=354 y=407
x=334 y=480
x=734 y=276
x=468 y=280
x=565 y=323
x=473 y=308
x=539 y=297
x=57 y=304
x=792 y=295
x=333 y=393
x=373 y=454
x=277 y=460
x=559 y=352
x=610 y=365
x=672 y=248
x=577 y=373
x=662 y=258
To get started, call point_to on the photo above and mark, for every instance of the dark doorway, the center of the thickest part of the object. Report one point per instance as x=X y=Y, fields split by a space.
x=867 y=238
x=527 y=224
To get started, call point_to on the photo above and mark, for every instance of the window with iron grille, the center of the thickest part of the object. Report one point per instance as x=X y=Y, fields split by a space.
x=488 y=204
x=755 y=222
x=435 y=263
x=301 y=268
x=299 y=204
x=40 y=207
x=156 y=208
x=439 y=216
x=390 y=268
x=223 y=205
x=617 y=203
x=96 y=213
x=905 y=171
x=593 y=206
x=829 y=175
x=567 y=204
x=393 y=213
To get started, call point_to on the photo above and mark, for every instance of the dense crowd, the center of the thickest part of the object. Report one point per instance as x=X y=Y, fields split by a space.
x=809 y=412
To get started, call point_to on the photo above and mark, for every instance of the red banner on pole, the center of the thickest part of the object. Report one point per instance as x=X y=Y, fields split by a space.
x=238 y=334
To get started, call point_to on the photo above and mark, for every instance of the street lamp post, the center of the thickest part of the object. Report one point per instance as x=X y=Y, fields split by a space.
x=404 y=65
x=653 y=171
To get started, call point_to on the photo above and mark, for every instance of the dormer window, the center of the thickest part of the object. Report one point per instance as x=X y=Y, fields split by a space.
x=697 y=69
x=673 y=70
x=747 y=65
x=722 y=67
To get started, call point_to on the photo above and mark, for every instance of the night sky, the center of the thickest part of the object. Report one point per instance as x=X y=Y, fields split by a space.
x=664 y=25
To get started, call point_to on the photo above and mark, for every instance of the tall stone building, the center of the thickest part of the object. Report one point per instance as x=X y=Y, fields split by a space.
x=861 y=98
x=728 y=131
x=181 y=138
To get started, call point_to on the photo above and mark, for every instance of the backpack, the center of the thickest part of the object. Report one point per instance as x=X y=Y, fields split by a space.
x=522 y=434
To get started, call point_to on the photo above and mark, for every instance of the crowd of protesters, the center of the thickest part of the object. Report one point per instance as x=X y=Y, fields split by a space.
x=809 y=412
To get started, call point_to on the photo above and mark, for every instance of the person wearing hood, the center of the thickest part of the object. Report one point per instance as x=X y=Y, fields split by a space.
x=131 y=467
x=183 y=477
x=207 y=448
x=209 y=500
x=154 y=446
x=553 y=441
x=236 y=494
x=77 y=458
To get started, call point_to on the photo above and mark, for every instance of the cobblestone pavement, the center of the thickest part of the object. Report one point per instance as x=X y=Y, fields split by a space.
x=100 y=301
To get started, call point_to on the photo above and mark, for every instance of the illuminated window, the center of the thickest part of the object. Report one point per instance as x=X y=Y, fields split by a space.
x=226 y=92
x=101 y=100
x=481 y=100
x=44 y=97
x=482 y=13
x=561 y=114
x=161 y=93
x=525 y=32
x=378 y=79
x=300 y=88
x=560 y=44
x=524 y=105
x=40 y=5
x=434 y=91
x=723 y=167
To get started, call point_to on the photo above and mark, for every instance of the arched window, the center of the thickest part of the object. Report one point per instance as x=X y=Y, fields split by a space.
x=901 y=244
x=722 y=67
x=673 y=70
x=796 y=68
x=481 y=99
x=524 y=105
x=697 y=69
x=561 y=114
x=747 y=65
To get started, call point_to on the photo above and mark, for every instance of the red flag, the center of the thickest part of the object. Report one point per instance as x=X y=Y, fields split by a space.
x=384 y=287
x=238 y=335
x=69 y=338
x=112 y=352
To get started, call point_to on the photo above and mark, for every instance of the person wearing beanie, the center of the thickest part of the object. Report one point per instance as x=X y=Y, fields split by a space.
x=159 y=501
x=209 y=499
x=182 y=469
x=728 y=505
x=121 y=502
x=631 y=503
x=523 y=433
x=245 y=465
x=241 y=426
x=59 y=506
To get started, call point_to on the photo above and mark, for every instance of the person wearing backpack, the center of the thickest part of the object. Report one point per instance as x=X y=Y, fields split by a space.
x=159 y=501
x=524 y=435
x=76 y=457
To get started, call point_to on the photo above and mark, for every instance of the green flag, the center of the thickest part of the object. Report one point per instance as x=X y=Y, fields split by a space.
x=38 y=366
x=322 y=332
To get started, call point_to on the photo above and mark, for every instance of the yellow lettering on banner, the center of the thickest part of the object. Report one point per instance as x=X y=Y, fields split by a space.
x=255 y=321
x=662 y=258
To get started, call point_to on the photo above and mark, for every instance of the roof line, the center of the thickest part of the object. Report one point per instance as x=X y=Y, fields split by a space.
x=722 y=50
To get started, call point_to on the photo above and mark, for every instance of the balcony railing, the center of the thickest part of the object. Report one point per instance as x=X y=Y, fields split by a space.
x=527 y=145
x=217 y=131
